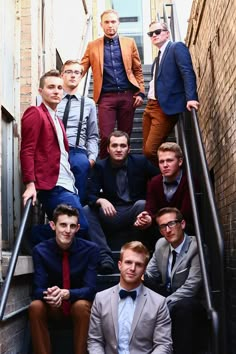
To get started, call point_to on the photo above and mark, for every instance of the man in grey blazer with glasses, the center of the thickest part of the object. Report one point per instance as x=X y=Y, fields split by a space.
x=174 y=271
x=130 y=318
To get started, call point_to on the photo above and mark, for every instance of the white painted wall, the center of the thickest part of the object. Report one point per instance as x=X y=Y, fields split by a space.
x=183 y=8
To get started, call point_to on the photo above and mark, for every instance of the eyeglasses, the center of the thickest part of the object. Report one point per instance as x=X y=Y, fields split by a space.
x=157 y=31
x=170 y=224
x=70 y=72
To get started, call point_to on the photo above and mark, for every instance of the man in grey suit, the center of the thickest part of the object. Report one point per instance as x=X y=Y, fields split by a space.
x=130 y=318
x=174 y=271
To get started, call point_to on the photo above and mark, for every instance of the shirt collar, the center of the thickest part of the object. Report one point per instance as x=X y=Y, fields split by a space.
x=77 y=94
x=52 y=113
x=178 y=178
x=179 y=248
x=163 y=47
x=111 y=40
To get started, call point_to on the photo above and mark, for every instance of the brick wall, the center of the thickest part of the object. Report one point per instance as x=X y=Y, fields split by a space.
x=212 y=42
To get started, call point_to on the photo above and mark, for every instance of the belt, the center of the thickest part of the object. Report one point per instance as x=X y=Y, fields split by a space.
x=117 y=92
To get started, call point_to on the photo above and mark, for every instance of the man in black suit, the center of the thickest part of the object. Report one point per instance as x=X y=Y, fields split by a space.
x=117 y=193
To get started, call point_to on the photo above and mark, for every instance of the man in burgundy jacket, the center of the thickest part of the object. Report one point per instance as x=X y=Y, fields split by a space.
x=168 y=189
x=44 y=152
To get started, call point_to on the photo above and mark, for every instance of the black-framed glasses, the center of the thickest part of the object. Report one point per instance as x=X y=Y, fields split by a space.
x=157 y=31
x=70 y=72
x=170 y=224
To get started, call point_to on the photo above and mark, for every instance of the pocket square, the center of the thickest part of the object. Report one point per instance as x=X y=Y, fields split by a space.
x=181 y=271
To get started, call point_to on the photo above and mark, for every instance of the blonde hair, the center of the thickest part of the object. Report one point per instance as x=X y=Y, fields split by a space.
x=71 y=62
x=110 y=11
x=137 y=247
x=169 y=146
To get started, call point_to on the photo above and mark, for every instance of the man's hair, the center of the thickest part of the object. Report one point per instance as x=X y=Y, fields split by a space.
x=168 y=146
x=64 y=209
x=135 y=246
x=50 y=73
x=118 y=134
x=163 y=25
x=110 y=11
x=71 y=62
x=169 y=210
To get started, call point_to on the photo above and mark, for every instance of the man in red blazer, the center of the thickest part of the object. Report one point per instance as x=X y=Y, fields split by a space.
x=117 y=78
x=44 y=152
x=168 y=189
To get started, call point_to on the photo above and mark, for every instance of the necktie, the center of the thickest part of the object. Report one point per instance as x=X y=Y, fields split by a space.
x=157 y=60
x=124 y=293
x=174 y=254
x=173 y=183
x=66 y=281
x=67 y=110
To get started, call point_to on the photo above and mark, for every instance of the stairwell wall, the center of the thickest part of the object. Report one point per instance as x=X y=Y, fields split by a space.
x=212 y=42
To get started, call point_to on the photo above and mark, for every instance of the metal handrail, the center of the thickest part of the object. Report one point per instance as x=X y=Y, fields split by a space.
x=13 y=260
x=212 y=313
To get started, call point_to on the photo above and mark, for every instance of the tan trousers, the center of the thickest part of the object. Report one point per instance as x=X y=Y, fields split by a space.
x=40 y=313
x=156 y=128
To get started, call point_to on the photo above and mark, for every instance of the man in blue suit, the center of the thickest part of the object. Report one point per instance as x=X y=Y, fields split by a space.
x=172 y=89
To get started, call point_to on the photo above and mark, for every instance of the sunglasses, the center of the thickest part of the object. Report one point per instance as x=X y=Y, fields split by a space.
x=158 y=31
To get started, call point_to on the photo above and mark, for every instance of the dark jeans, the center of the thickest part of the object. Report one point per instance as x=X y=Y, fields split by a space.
x=126 y=215
x=80 y=167
x=187 y=316
x=59 y=195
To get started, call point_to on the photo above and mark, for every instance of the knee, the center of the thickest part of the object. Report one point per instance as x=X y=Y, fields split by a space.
x=37 y=308
x=81 y=309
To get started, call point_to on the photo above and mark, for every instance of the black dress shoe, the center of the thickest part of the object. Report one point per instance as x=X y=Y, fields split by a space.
x=106 y=268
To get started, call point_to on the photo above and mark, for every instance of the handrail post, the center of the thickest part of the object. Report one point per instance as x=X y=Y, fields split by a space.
x=12 y=264
x=210 y=310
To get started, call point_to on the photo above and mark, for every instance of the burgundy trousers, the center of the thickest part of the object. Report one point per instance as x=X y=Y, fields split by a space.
x=156 y=127
x=40 y=313
x=114 y=107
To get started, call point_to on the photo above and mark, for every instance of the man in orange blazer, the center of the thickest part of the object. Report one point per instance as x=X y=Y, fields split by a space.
x=118 y=78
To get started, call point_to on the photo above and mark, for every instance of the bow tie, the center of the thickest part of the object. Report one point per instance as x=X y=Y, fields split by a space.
x=124 y=293
x=172 y=183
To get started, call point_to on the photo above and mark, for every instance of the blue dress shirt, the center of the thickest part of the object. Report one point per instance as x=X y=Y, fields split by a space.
x=114 y=74
x=83 y=259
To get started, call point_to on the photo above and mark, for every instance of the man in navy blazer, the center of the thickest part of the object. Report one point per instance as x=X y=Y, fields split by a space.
x=56 y=297
x=172 y=89
x=116 y=193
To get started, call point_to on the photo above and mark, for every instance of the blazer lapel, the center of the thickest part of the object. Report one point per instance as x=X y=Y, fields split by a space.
x=181 y=254
x=101 y=52
x=164 y=265
x=114 y=308
x=141 y=300
x=163 y=57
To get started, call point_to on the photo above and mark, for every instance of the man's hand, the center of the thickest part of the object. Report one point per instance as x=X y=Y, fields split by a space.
x=92 y=163
x=193 y=104
x=30 y=192
x=138 y=101
x=143 y=220
x=54 y=296
x=107 y=207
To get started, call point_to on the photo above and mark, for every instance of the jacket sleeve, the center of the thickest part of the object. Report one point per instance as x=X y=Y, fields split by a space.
x=96 y=342
x=85 y=61
x=137 y=67
x=185 y=66
x=30 y=130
